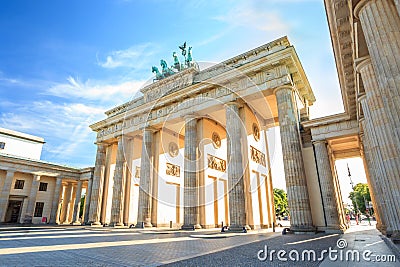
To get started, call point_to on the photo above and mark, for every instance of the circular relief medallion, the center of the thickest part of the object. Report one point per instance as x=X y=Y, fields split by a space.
x=173 y=149
x=216 y=140
x=256 y=132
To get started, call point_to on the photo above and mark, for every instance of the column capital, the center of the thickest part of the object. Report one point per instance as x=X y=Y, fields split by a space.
x=290 y=87
x=314 y=142
x=238 y=102
x=148 y=128
x=359 y=7
x=361 y=63
x=362 y=98
x=11 y=171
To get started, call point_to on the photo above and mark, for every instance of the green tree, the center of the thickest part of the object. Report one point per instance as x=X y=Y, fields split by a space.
x=359 y=196
x=281 y=203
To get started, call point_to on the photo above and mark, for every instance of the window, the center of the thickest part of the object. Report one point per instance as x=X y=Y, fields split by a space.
x=19 y=184
x=2 y=145
x=38 y=209
x=42 y=186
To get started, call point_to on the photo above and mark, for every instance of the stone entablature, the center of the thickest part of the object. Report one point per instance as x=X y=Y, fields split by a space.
x=275 y=64
x=335 y=130
x=39 y=167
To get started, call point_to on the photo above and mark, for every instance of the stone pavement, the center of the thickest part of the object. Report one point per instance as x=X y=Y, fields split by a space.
x=86 y=246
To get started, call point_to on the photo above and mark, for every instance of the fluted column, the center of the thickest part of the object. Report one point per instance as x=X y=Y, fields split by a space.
x=5 y=192
x=383 y=145
x=32 y=199
x=77 y=204
x=118 y=187
x=97 y=186
x=327 y=187
x=88 y=197
x=66 y=203
x=56 y=201
x=190 y=190
x=146 y=170
x=296 y=183
x=384 y=187
x=380 y=225
x=380 y=22
x=237 y=204
x=128 y=180
x=397 y=3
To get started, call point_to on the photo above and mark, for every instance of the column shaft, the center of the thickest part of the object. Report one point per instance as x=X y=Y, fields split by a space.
x=77 y=204
x=118 y=187
x=296 y=183
x=66 y=204
x=56 y=201
x=32 y=199
x=383 y=146
x=380 y=22
x=237 y=204
x=190 y=191
x=97 y=186
x=128 y=181
x=327 y=186
x=146 y=171
x=5 y=192
x=88 y=198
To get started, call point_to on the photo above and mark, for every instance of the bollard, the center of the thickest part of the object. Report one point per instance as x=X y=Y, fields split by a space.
x=273 y=227
x=170 y=224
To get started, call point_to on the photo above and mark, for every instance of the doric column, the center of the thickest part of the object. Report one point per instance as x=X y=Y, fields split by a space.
x=190 y=190
x=296 y=183
x=128 y=180
x=379 y=175
x=97 y=186
x=5 y=192
x=56 y=201
x=368 y=165
x=380 y=22
x=237 y=204
x=268 y=183
x=66 y=203
x=383 y=145
x=119 y=183
x=88 y=197
x=397 y=3
x=327 y=187
x=146 y=171
x=32 y=199
x=77 y=204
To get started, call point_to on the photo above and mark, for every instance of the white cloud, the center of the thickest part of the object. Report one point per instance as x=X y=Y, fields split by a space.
x=110 y=94
x=134 y=57
x=65 y=126
x=249 y=16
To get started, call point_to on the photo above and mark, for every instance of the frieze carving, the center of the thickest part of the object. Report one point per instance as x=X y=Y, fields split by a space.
x=173 y=149
x=173 y=170
x=257 y=156
x=216 y=163
x=137 y=172
x=216 y=140
x=256 y=132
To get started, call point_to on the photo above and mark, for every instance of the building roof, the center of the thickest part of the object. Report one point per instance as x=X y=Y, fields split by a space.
x=22 y=135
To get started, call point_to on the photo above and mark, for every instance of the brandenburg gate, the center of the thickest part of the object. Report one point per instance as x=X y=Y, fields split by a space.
x=193 y=152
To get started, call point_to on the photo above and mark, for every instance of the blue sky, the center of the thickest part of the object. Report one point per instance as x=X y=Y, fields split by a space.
x=63 y=63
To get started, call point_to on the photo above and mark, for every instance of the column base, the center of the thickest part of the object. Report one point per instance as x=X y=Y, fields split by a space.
x=306 y=229
x=239 y=228
x=96 y=224
x=76 y=223
x=189 y=227
x=330 y=230
x=143 y=225
x=395 y=237
x=116 y=224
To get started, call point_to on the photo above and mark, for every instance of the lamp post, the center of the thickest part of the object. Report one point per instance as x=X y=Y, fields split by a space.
x=354 y=199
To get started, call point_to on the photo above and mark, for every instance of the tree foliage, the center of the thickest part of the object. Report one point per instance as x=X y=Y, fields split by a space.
x=359 y=196
x=281 y=203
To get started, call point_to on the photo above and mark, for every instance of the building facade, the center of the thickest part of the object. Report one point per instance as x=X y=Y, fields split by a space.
x=35 y=191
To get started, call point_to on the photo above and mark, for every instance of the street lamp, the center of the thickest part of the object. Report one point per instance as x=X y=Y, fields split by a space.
x=352 y=187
